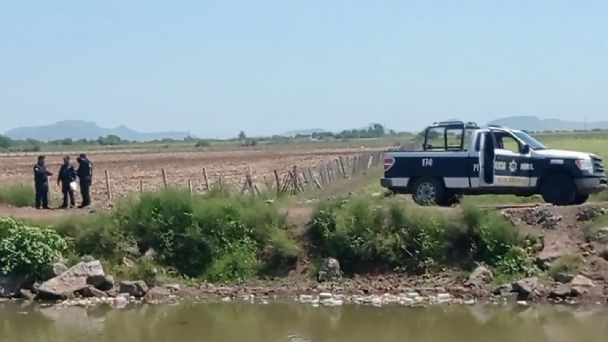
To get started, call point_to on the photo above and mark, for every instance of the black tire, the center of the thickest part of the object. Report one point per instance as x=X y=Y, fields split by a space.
x=429 y=191
x=558 y=189
x=580 y=199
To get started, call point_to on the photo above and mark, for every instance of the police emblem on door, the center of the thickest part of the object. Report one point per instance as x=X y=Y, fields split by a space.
x=513 y=166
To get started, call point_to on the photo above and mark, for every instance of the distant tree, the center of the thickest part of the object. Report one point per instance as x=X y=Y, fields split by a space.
x=376 y=131
x=5 y=142
x=249 y=142
x=202 y=143
x=242 y=136
x=109 y=140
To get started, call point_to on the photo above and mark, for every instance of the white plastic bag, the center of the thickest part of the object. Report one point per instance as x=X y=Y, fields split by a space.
x=73 y=186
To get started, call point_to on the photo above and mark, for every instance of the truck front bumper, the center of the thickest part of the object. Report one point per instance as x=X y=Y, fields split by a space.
x=591 y=185
x=386 y=183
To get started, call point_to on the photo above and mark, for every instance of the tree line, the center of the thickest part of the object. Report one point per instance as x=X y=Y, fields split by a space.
x=33 y=145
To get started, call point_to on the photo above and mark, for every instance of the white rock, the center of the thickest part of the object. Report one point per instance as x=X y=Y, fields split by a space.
x=305 y=298
x=413 y=295
x=377 y=302
x=325 y=295
x=444 y=296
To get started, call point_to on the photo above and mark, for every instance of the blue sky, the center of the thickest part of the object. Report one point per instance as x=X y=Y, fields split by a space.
x=216 y=67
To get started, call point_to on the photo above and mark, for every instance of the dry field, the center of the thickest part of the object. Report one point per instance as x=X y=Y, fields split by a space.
x=129 y=169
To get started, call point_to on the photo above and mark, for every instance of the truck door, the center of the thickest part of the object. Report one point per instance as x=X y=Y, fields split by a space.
x=486 y=159
x=512 y=161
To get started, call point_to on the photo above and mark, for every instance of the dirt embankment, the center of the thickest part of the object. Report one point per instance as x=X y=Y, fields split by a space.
x=572 y=260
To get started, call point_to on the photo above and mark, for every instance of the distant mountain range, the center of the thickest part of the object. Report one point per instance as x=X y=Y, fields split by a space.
x=77 y=129
x=533 y=123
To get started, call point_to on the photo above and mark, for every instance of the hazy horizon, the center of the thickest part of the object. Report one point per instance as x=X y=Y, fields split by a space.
x=216 y=67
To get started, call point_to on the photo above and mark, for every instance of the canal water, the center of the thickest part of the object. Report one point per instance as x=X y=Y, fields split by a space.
x=298 y=323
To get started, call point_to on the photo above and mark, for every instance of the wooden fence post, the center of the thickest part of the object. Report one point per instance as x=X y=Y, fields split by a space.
x=278 y=181
x=206 y=179
x=164 y=178
x=108 y=187
x=294 y=176
x=190 y=187
x=341 y=166
x=141 y=185
x=322 y=175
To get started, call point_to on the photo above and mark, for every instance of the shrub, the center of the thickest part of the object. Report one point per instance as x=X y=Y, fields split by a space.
x=514 y=264
x=238 y=263
x=28 y=250
x=200 y=235
x=377 y=233
x=364 y=234
x=17 y=195
x=202 y=143
x=490 y=236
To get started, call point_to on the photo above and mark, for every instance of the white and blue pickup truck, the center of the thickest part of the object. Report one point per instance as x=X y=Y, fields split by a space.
x=459 y=158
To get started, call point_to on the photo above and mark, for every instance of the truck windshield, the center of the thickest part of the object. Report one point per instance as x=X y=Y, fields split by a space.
x=529 y=140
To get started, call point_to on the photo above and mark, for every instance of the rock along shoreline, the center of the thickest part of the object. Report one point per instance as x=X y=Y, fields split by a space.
x=86 y=285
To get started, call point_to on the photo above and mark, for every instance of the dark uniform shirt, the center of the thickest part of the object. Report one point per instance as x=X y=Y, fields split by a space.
x=41 y=175
x=67 y=174
x=85 y=170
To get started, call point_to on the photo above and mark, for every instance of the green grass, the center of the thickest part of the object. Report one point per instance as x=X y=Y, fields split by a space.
x=592 y=227
x=567 y=264
x=17 y=195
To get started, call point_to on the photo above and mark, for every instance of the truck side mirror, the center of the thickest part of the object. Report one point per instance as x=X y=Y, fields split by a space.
x=525 y=149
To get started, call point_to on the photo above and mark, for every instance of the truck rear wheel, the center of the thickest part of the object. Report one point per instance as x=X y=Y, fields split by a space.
x=428 y=191
x=558 y=189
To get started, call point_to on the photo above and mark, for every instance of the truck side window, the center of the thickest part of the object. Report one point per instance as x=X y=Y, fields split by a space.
x=454 y=138
x=434 y=139
x=507 y=142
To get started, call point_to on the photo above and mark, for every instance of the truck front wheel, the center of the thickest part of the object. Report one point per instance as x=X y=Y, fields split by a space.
x=559 y=189
x=428 y=191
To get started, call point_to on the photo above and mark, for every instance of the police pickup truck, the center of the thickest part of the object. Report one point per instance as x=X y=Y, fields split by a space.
x=462 y=158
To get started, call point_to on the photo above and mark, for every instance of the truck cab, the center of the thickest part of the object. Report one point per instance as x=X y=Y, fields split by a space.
x=459 y=158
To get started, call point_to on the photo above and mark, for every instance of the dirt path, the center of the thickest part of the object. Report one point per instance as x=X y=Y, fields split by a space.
x=31 y=213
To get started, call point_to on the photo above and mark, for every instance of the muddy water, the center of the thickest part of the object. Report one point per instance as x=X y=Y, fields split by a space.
x=297 y=322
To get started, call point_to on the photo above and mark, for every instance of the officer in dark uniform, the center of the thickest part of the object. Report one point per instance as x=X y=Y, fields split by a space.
x=41 y=182
x=85 y=176
x=67 y=174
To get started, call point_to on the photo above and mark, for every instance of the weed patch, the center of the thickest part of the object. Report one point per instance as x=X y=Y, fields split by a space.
x=378 y=233
x=17 y=195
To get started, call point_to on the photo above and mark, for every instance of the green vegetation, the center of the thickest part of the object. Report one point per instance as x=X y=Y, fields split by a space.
x=28 y=250
x=567 y=264
x=375 y=234
x=591 y=228
x=213 y=237
x=17 y=195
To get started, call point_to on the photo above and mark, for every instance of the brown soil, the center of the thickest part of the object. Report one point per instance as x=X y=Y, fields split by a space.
x=127 y=168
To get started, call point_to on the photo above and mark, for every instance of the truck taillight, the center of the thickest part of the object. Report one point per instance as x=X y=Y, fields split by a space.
x=388 y=163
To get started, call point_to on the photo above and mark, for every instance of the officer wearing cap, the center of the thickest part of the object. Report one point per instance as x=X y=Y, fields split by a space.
x=66 y=176
x=41 y=183
x=85 y=176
